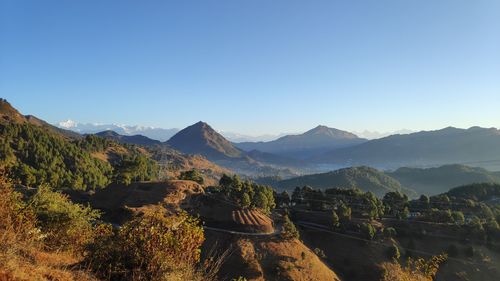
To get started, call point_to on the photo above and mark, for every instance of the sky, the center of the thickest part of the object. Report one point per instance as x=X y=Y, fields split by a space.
x=255 y=66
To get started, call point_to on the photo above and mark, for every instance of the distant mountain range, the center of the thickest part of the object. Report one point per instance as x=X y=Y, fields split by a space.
x=475 y=146
x=313 y=142
x=159 y=134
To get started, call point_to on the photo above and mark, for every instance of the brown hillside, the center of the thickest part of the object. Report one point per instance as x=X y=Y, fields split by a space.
x=119 y=201
x=200 y=138
x=220 y=214
x=268 y=258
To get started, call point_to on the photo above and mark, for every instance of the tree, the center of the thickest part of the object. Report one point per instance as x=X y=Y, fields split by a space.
x=393 y=252
x=368 y=231
x=245 y=200
x=458 y=217
x=335 y=220
x=390 y=232
x=192 y=175
x=289 y=229
x=344 y=213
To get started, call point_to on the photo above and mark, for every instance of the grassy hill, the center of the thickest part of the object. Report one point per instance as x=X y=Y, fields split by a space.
x=438 y=180
x=364 y=178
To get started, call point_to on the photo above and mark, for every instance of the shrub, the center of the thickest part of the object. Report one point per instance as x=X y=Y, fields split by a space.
x=415 y=270
x=390 y=232
x=192 y=175
x=393 y=252
x=289 y=229
x=320 y=253
x=66 y=225
x=368 y=231
x=150 y=247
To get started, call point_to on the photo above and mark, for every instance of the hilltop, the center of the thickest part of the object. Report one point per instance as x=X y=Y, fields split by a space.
x=200 y=138
x=313 y=142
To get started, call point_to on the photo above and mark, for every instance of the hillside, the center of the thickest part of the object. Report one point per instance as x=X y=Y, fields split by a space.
x=200 y=138
x=438 y=180
x=364 y=178
x=10 y=115
x=427 y=148
x=173 y=162
x=35 y=153
x=308 y=144
x=135 y=139
x=267 y=258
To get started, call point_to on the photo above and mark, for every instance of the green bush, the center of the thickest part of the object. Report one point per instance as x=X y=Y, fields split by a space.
x=393 y=252
x=150 y=247
x=289 y=229
x=192 y=175
x=66 y=225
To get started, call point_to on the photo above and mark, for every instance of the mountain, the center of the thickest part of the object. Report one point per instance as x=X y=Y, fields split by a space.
x=159 y=134
x=312 y=142
x=200 y=138
x=427 y=148
x=10 y=115
x=438 y=180
x=135 y=139
x=364 y=178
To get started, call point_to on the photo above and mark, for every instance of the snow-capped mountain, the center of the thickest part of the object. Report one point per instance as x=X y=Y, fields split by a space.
x=160 y=134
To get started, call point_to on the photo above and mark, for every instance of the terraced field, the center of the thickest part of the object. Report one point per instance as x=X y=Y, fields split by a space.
x=224 y=215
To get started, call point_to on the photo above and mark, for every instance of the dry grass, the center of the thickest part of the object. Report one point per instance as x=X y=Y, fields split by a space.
x=22 y=254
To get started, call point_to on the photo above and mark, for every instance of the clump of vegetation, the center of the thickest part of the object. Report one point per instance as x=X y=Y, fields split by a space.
x=150 y=247
x=289 y=229
x=23 y=242
x=247 y=194
x=66 y=225
x=393 y=252
x=415 y=270
x=192 y=175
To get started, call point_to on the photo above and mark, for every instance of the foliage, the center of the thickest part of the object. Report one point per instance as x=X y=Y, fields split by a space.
x=192 y=175
x=35 y=156
x=150 y=247
x=344 y=213
x=368 y=231
x=415 y=270
x=135 y=167
x=393 y=252
x=335 y=220
x=247 y=194
x=66 y=225
x=289 y=229
x=476 y=192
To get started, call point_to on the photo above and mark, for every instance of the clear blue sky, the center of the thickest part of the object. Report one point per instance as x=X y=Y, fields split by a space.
x=255 y=66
